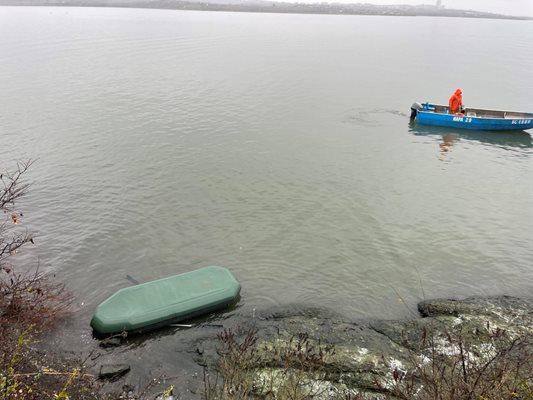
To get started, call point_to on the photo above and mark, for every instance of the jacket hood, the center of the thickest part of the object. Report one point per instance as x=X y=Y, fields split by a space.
x=458 y=91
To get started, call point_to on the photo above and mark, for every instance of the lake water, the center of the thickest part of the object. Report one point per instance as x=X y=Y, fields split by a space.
x=276 y=145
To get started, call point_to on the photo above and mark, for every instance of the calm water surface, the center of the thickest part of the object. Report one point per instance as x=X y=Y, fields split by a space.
x=276 y=145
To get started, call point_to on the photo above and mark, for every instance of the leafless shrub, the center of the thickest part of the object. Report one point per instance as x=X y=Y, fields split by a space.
x=28 y=297
x=301 y=353
x=237 y=356
x=452 y=366
x=12 y=189
x=290 y=369
x=29 y=300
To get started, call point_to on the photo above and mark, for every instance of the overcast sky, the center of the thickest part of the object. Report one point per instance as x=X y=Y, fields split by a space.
x=510 y=7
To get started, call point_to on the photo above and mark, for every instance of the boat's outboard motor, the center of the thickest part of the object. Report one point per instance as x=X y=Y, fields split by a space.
x=415 y=108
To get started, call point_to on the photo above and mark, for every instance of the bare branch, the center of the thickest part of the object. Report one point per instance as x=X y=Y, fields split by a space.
x=13 y=187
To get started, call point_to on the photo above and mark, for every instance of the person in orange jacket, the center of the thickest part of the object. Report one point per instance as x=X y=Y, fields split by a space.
x=456 y=102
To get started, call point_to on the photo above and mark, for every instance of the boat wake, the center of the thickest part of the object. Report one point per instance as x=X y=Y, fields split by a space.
x=361 y=116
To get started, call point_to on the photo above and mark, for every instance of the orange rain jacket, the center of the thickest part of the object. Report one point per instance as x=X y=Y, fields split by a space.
x=456 y=101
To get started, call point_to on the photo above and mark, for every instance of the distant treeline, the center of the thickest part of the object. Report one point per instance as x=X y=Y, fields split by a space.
x=271 y=7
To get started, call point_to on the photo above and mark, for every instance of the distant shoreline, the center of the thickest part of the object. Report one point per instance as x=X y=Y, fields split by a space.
x=262 y=6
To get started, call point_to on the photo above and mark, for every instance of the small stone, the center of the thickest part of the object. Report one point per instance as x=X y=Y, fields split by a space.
x=113 y=371
x=110 y=342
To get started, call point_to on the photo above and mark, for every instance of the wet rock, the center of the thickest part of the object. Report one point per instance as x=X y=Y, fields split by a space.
x=128 y=393
x=110 y=342
x=369 y=356
x=500 y=307
x=407 y=334
x=113 y=371
x=482 y=317
x=295 y=310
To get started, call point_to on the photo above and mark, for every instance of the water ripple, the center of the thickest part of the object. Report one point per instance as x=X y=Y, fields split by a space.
x=168 y=141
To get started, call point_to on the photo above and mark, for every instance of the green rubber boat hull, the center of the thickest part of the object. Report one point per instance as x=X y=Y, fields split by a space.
x=158 y=303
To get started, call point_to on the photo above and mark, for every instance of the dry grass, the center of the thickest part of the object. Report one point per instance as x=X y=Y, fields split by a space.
x=29 y=303
x=446 y=366
x=288 y=369
x=453 y=367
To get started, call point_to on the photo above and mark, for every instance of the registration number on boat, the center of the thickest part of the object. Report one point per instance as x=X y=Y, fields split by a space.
x=521 y=121
x=461 y=119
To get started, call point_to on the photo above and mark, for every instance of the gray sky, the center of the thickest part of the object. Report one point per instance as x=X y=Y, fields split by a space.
x=510 y=7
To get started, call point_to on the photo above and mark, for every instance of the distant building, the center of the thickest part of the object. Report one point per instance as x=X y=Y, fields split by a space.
x=439 y=4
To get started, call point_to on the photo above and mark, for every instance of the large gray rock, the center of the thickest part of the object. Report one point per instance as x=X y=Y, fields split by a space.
x=370 y=356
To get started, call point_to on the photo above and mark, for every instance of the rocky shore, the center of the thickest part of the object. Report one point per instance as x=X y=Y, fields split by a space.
x=318 y=354
x=331 y=357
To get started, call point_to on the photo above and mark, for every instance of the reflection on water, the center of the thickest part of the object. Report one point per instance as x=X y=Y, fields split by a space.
x=448 y=140
x=514 y=139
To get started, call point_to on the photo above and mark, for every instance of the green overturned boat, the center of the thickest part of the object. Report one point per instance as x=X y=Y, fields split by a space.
x=158 y=303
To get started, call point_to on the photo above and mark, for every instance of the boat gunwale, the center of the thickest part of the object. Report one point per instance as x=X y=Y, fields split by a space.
x=515 y=115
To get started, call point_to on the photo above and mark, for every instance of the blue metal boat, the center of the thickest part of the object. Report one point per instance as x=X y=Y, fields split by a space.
x=471 y=118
